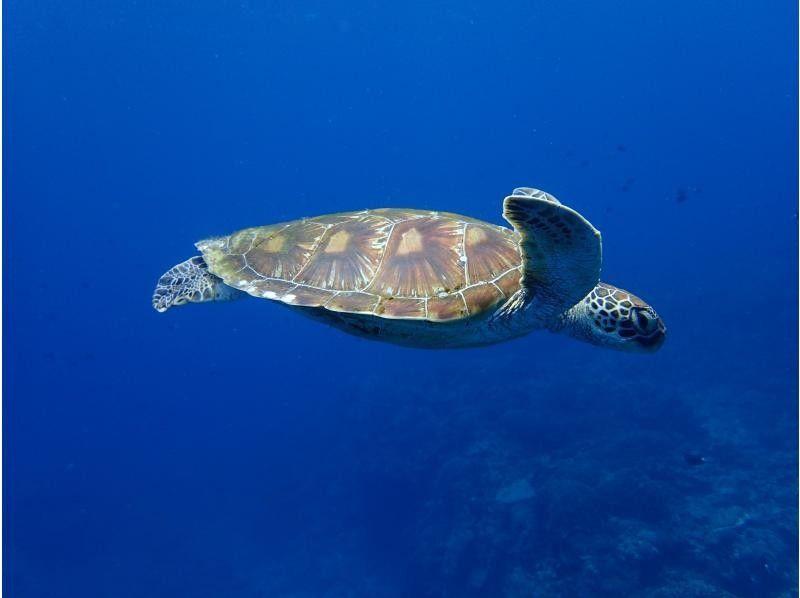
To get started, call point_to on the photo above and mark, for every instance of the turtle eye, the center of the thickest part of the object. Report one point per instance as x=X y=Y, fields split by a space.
x=645 y=321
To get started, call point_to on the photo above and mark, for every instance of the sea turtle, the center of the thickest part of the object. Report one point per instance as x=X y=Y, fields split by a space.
x=427 y=279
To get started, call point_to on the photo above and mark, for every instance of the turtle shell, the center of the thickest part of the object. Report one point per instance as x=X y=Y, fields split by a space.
x=391 y=263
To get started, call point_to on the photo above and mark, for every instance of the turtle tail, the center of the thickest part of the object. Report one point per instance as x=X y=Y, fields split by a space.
x=190 y=282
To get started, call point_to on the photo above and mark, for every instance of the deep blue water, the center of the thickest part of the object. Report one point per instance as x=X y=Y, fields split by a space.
x=242 y=450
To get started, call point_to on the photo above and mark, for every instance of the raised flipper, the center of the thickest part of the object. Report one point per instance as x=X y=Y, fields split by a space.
x=190 y=281
x=561 y=253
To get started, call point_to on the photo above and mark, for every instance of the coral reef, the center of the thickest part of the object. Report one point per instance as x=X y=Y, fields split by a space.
x=544 y=490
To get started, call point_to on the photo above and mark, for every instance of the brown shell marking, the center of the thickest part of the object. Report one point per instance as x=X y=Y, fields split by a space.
x=393 y=263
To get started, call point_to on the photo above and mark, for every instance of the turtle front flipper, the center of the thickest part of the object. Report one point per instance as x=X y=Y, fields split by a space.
x=561 y=254
x=190 y=281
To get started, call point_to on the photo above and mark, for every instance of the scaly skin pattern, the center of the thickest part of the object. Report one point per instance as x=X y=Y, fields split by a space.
x=190 y=282
x=613 y=317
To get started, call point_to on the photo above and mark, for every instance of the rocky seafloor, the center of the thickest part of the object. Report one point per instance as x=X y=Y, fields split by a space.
x=544 y=488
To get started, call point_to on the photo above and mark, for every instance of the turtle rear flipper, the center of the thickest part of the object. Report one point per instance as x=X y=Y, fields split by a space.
x=561 y=254
x=190 y=281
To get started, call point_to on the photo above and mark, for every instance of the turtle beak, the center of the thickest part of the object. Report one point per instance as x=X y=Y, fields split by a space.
x=653 y=341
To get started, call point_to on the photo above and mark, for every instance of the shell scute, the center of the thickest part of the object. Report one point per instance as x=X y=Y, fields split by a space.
x=421 y=258
x=509 y=282
x=281 y=252
x=450 y=307
x=481 y=297
x=490 y=252
x=353 y=302
x=272 y=289
x=307 y=296
x=347 y=255
x=401 y=308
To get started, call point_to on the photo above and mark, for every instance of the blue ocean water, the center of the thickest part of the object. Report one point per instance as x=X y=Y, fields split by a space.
x=242 y=450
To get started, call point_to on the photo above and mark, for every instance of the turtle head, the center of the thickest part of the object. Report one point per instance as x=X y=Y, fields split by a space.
x=615 y=318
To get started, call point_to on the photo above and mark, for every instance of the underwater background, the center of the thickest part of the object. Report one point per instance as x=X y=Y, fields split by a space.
x=242 y=450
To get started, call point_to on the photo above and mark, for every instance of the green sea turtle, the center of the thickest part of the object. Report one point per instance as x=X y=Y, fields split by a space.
x=427 y=279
